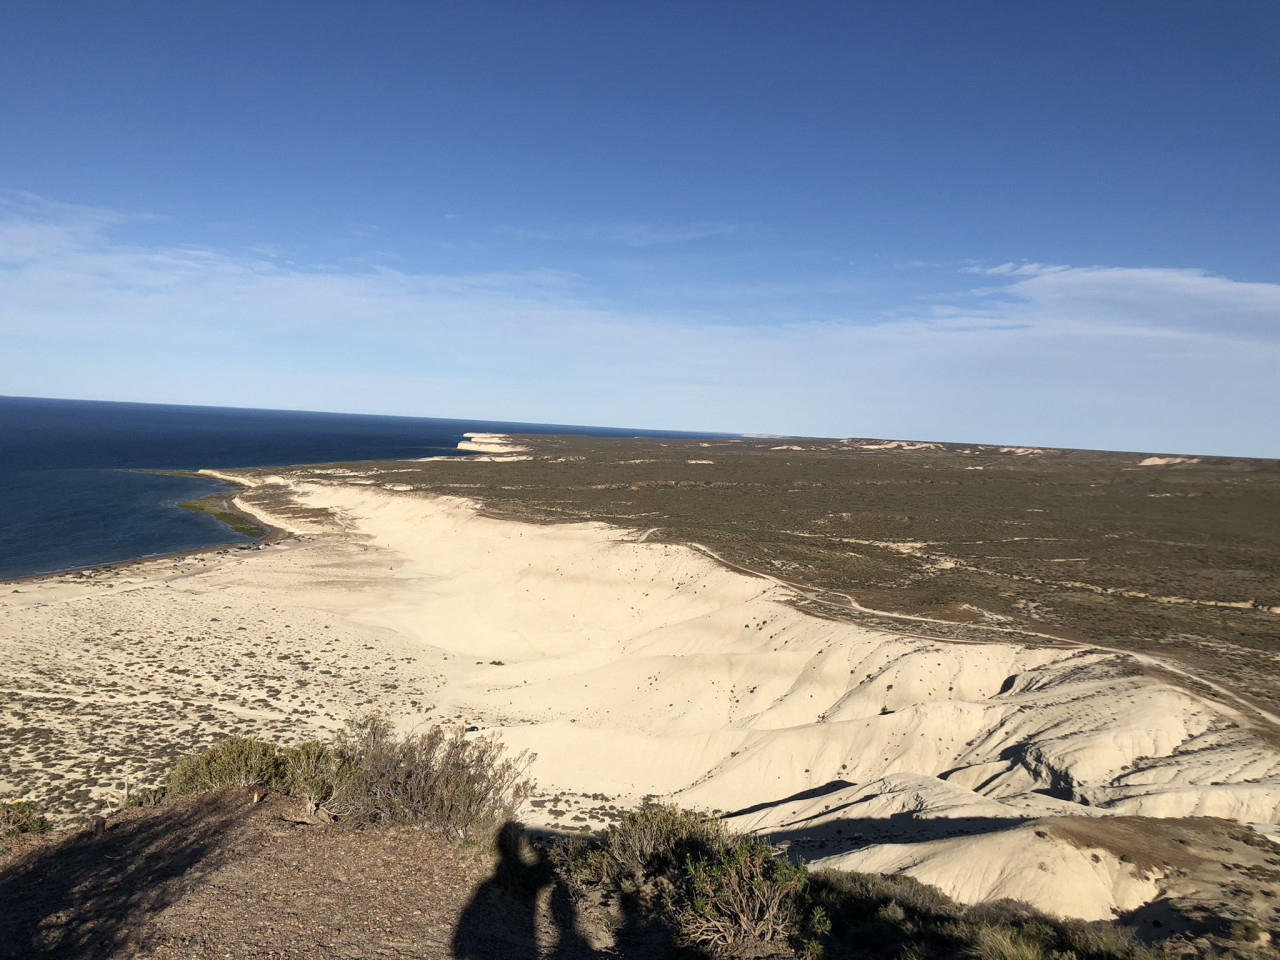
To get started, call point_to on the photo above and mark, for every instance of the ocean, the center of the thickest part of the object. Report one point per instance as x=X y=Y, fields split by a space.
x=73 y=495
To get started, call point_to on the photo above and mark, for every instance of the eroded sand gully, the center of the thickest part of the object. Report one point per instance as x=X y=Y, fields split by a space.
x=631 y=669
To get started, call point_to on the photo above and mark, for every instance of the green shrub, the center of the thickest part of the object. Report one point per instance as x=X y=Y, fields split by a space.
x=22 y=816
x=580 y=861
x=739 y=896
x=863 y=895
x=234 y=762
x=722 y=892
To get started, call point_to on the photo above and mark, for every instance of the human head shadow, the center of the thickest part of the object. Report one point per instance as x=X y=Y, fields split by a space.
x=88 y=896
x=502 y=918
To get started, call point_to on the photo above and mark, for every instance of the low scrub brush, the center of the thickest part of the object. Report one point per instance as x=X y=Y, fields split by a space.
x=723 y=892
x=312 y=770
x=234 y=762
x=442 y=779
x=462 y=786
x=739 y=899
x=22 y=816
x=657 y=840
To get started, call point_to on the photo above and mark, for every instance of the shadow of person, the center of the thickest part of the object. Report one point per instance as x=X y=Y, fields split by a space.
x=501 y=919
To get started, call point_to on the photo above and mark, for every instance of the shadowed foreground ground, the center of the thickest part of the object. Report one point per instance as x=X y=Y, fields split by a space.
x=218 y=876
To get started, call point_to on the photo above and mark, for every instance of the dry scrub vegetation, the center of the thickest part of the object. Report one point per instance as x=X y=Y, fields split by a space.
x=22 y=816
x=462 y=786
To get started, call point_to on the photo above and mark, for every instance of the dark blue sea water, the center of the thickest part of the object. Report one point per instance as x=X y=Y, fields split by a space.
x=71 y=494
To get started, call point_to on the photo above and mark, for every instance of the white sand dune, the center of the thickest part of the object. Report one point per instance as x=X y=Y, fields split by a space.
x=635 y=668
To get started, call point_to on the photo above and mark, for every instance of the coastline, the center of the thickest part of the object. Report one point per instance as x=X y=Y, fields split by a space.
x=272 y=535
x=632 y=668
x=474 y=445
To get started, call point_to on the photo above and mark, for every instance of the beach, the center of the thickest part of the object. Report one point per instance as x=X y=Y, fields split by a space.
x=631 y=669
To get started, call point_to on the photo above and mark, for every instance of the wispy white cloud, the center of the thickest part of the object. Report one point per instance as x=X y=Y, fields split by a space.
x=1149 y=358
x=1114 y=301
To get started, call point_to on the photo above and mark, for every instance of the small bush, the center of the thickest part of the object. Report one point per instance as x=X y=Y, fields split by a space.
x=863 y=894
x=149 y=797
x=655 y=840
x=1245 y=931
x=580 y=862
x=22 y=816
x=313 y=771
x=721 y=892
x=742 y=895
x=366 y=774
x=464 y=787
x=234 y=762
x=646 y=845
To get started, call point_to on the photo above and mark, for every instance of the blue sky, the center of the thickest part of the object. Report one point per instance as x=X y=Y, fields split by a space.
x=1052 y=224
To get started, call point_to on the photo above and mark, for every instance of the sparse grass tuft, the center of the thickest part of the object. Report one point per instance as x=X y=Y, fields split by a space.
x=1005 y=943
